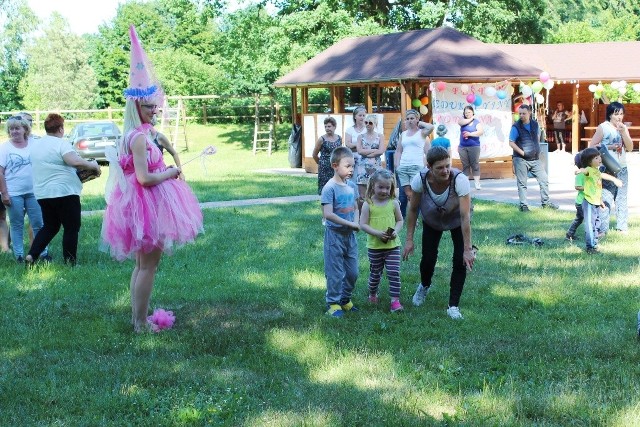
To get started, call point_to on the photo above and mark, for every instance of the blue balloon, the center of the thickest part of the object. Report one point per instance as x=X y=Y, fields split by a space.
x=478 y=101
x=501 y=94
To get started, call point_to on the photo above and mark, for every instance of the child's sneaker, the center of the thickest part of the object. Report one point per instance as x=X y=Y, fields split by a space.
x=454 y=313
x=571 y=238
x=420 y=295
x=349 y=307
x=396 y=306
x=373 y=299
x=335 y=311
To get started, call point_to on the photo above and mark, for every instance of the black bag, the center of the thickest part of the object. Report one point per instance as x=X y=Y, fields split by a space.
x=610 y=162
x=85 y=175
x=295 y=146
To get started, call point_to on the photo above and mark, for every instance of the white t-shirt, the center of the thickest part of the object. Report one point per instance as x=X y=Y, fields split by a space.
x=52 y=177
x=412 y=149
x=354 y=133
x=17 y=168
x=461 y=186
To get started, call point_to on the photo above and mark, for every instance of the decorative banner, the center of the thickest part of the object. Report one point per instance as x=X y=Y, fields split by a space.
x=492 y=108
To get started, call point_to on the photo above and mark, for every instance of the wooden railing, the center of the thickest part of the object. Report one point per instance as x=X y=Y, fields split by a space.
x=72 y=116
x=634 y=131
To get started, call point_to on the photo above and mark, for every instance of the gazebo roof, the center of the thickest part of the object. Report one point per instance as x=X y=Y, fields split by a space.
x=436 y=54
x=606 y=61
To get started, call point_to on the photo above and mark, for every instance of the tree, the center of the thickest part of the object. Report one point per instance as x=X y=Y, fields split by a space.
x=59 y=76
x=257 y=48
x=17 y=21
x=183 y=73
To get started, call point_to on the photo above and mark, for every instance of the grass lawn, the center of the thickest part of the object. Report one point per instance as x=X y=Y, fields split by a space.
x=230 y=174
x=548 y=336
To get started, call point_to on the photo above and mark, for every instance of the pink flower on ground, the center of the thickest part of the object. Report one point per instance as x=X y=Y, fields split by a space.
x=161 y=319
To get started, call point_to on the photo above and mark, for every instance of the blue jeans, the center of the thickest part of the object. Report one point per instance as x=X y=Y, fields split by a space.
x=620 y=198
x=402 y=198
x=20 y=204
x=522 y=168
x=340 y=265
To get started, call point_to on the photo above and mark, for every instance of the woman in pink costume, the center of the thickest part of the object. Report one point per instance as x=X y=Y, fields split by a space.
x=149 y=211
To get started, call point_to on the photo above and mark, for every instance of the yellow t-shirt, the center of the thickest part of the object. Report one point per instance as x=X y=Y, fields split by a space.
x=381 y=218
x=593 y=186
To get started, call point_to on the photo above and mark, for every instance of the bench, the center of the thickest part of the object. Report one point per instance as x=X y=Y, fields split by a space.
x=492 y=168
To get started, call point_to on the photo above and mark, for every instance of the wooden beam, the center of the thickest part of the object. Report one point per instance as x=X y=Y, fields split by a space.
x=403 y=100
x=575 y=120
x=294 y=105
x=305 y=100
x=368 y=100
x=335 y=100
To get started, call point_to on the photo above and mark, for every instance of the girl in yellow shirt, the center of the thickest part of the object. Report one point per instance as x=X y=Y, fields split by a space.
x=381 y=219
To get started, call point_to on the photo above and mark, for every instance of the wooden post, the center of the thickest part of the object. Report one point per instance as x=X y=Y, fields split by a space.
x=575 y=121
x=305 y=100
x=294 y=105
x=403 y=100
x=110 y=113
x=368 y=100
x=335 y=100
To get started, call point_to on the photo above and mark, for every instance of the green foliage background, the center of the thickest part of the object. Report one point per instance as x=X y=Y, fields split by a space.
x=206 y=47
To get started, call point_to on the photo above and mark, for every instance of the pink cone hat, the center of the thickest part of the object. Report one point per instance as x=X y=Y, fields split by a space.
x=143 y=82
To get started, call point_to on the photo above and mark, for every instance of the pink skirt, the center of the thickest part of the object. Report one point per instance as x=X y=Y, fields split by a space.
x=143 y=219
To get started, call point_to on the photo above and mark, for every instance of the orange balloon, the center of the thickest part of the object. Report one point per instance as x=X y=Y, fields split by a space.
x=424 y=100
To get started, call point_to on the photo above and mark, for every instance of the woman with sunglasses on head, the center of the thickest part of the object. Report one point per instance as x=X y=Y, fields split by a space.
x=16 y=184
x=149 y=211
x=411 y=154
x=371 y=147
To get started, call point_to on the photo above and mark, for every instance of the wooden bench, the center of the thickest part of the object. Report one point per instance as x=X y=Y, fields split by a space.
x=633 y=130
x=492 y=168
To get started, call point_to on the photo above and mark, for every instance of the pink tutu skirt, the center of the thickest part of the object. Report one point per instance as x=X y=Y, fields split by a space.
x=142 y=219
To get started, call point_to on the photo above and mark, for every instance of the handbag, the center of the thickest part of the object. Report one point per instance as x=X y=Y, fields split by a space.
x=610 y=162
x=85 y=175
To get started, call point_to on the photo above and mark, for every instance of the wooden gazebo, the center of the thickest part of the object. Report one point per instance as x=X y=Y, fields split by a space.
x=401 y=62
x=574 y=66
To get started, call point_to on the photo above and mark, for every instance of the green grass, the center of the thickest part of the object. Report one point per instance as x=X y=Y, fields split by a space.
x=548 y=336
x=230 y=174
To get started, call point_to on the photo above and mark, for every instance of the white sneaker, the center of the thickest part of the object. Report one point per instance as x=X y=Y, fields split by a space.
x=420 y=295
x=454 y=313
x=478 y=186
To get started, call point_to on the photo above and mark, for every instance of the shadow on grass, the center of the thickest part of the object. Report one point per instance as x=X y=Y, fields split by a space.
x=252 y=345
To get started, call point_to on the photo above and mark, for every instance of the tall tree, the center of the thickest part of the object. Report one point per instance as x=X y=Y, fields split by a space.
x=17 y=21
x=59 y=76
x=256 y=48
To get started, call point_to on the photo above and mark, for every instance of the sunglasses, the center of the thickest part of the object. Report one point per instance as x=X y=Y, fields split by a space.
x=20 y=118
x=368 y=123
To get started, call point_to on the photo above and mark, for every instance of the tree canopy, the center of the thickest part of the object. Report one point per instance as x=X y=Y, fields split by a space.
x=203 y=47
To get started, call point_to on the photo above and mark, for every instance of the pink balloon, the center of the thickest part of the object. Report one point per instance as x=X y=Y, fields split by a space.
x=544 y=76
x=471 y=98
x=441 y=86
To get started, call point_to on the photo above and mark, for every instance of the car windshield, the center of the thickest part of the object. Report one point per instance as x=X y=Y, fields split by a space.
x=97 y=129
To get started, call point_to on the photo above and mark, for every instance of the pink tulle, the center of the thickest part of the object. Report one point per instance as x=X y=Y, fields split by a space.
x=142 y=219
x=161 y=319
